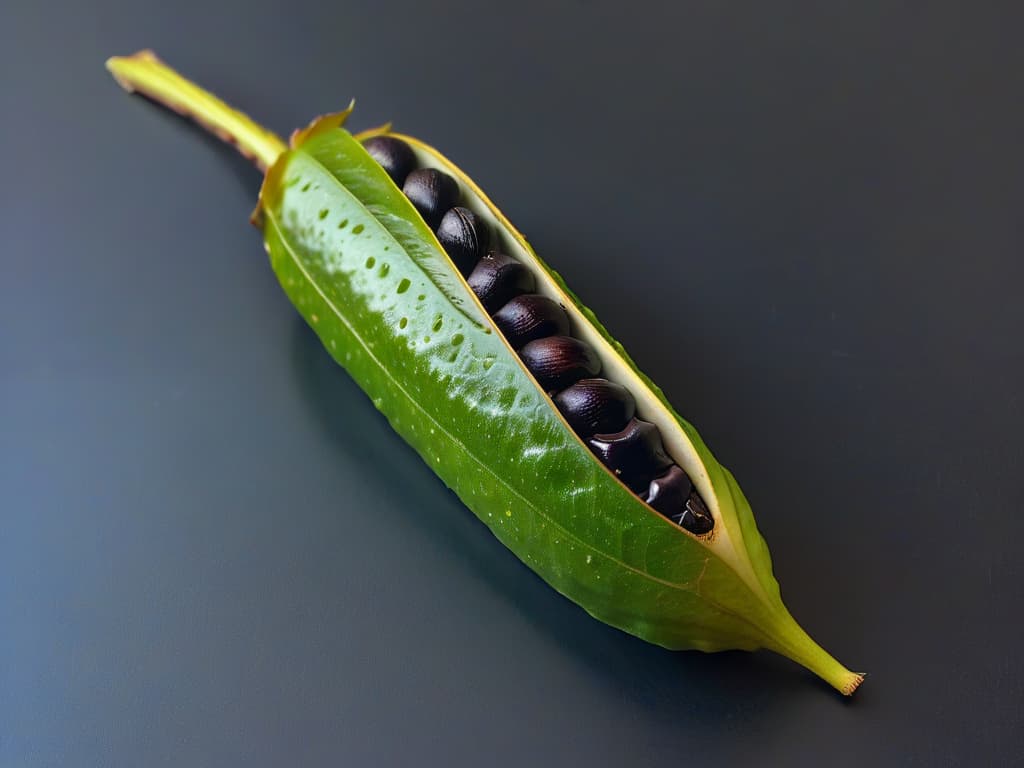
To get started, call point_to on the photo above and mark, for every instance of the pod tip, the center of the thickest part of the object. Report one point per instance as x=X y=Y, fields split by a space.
x=793 y=642
x=852 y=683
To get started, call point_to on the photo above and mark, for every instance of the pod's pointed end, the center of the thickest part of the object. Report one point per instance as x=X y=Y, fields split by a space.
x=853 y=681
x=790 y=640
x=820 y=662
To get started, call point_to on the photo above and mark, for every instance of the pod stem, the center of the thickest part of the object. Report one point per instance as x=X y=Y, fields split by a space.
x=793 y=642
x=144 y=73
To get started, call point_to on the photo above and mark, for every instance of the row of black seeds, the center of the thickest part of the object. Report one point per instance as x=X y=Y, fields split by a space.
x=600 y=411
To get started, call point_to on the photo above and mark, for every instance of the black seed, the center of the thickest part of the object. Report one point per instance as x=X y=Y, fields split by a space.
x=395 y=156
x=464 y=236
x=634 y=454
x=558 y=361
x=531 y=316
x=668 y=493
x=695 y=518
x=596 y=405
x=432 y=193
x=496 y=278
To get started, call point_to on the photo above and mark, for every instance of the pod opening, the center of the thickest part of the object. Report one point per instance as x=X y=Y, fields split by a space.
x=565 y=363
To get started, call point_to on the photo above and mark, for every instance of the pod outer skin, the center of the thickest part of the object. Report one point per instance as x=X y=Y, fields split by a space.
x=371 y=279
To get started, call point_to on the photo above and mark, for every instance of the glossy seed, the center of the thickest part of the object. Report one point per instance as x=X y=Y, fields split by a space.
x=558 y=361
x=696 y=518
x=464 y=236
x=432 y=193
x=634 y=454
x=596 y=405
x=668 y=493
x=394 y=156
x=531 y=316
x=496 y=278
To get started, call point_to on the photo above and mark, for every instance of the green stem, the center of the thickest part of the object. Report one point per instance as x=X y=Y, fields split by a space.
x=145 y=73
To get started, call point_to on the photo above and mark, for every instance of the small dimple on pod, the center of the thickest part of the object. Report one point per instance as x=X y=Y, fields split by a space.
x=431 y=192
x=635 y=454
x=531 y=316
x=395 y=156
x=498 y=277
x=596 y=405
x=558 y=361
x=463 y=236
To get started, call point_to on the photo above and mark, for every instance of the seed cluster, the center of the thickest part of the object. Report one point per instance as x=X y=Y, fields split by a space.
x=600 y=411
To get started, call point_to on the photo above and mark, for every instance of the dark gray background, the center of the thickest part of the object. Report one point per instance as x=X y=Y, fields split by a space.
x=804 y=222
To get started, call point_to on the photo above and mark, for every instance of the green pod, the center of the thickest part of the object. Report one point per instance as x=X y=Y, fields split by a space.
x=369 y=276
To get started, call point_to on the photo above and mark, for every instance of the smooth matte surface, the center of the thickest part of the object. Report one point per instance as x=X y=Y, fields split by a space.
x=802 y=219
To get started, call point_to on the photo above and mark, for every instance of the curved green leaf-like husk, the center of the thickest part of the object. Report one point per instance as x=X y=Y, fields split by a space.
x=371 y=279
